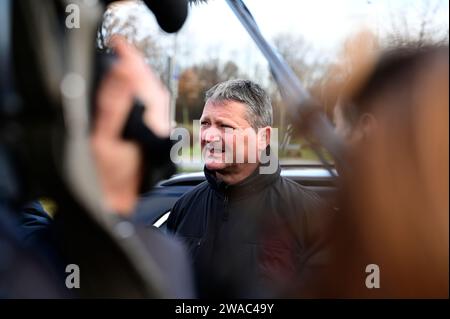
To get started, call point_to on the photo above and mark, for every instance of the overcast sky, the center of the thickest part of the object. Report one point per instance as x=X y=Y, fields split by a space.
x=212 y=30
x=323 y=23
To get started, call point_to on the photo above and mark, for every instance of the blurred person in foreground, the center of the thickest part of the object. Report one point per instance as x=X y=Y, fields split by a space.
x=394 y=210
x=43 y=154
x=119 y=164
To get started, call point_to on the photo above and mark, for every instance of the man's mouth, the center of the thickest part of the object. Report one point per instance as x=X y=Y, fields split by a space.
x=215 y=149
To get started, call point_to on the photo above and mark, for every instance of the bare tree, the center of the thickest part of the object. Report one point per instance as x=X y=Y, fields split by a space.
x=306 y=64
x=300 y=56
x=424 y=31
x=196 y=80
x=125 y=19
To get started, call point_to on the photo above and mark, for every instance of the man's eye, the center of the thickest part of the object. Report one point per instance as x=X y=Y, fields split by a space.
x=226 y=126
x=204 y=123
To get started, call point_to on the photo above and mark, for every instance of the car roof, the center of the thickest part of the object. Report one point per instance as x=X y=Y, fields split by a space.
x=308 y=175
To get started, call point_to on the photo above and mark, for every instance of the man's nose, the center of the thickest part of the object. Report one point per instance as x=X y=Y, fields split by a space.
x=211 y=135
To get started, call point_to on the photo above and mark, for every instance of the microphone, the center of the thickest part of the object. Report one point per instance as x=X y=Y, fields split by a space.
x=170 y=14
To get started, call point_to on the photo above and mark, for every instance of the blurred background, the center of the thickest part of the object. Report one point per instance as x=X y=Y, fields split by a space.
x=313 y=38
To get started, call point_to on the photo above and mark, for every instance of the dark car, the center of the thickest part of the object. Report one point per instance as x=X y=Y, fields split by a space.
x=154 y=207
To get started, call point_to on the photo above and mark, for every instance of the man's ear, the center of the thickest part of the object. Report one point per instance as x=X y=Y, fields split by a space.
x=367 y=125
x=264 y=134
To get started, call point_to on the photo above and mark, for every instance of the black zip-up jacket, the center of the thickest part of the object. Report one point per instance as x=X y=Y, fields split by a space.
x=253 y=239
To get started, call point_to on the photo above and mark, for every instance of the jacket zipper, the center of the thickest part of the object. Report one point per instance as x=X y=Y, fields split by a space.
x=225 y=209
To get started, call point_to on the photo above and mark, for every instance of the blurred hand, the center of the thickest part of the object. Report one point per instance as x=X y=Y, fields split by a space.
x=119 y=162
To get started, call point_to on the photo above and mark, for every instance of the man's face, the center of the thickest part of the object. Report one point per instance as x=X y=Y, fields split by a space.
x=227 y=138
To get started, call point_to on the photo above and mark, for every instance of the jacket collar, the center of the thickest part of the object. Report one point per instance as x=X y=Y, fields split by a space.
x=251 y=184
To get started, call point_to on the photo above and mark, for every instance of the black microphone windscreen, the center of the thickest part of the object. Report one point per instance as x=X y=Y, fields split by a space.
x=170 y=14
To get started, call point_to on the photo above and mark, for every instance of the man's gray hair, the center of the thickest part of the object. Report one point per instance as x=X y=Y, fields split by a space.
x=259 y=107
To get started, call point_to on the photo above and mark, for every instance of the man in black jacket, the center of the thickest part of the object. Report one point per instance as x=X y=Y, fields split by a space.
x=251 y=233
